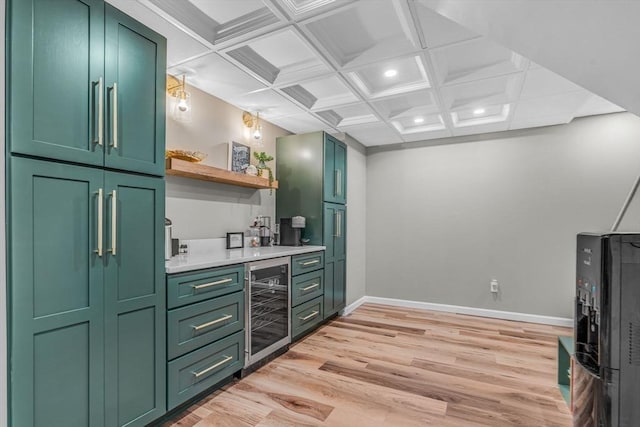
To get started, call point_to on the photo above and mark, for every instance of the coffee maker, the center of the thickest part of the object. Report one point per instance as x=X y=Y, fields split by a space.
x=291 y=230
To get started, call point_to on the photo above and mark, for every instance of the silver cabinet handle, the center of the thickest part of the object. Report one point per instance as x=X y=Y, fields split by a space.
x=212 y=367
x=99 y=250
x=310 y=316
x=206 y=285
x=338 y=182
x=336 y=224
x=114 y=221
x=315 y=285
x=339 y=222
x=315 y=261
x=213 y=322
x=100 y=111
x=114 y=143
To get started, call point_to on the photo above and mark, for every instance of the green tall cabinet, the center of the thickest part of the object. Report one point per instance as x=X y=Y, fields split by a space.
x=312 y=170
x=86 y=281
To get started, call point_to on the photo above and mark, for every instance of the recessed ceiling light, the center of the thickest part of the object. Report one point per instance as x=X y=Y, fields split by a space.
x=391 y=73
x=418 y=120
x=478 y=111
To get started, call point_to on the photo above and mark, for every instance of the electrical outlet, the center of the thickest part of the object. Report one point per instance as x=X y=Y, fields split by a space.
x=493 y=286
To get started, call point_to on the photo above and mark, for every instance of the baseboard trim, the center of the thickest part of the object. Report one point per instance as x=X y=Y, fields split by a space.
x=473 y=311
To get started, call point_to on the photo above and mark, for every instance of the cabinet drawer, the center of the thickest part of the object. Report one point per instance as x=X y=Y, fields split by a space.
x=187 y=288
x=202 y=323
x=306 y=316
x=306 y=262
x=191 y=374
x=307 y=286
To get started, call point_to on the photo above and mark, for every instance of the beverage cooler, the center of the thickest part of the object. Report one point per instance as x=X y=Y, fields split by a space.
x=606 y=383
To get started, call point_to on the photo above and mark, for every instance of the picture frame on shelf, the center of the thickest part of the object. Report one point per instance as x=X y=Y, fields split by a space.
x=239 y=157
x=235 y=240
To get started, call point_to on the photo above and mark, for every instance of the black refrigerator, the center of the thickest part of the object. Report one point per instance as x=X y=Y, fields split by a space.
x=606 y=383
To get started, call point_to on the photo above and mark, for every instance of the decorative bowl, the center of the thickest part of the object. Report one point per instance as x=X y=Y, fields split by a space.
x=190 y=156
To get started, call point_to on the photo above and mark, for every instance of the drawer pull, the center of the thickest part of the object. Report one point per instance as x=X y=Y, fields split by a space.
x=315 y=285
x=217 y=282
x=213 y=322
x=212 y=367
x=315 y=261
x=310 y=316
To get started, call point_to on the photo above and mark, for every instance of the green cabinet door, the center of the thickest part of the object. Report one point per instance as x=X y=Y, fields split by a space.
x=135 y=70
x=335 y=169
x=135 y=331
x=56 y=61
x=56 y=288
x=335 y=222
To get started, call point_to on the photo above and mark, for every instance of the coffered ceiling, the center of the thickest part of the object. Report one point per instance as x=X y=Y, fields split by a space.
x=384 y=71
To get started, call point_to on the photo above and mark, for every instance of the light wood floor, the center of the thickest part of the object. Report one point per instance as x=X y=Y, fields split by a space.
x=390 y=366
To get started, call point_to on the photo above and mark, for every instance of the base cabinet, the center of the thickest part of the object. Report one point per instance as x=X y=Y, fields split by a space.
x=87 y=296
x=206 y=335
x=308 y=286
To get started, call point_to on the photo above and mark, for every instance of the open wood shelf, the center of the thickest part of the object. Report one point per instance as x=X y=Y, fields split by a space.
x=191 y=170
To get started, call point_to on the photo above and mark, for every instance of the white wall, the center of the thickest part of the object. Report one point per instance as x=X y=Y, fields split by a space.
x=356 y=220
x=3 y=269
x=201 y=209
x=442 y=221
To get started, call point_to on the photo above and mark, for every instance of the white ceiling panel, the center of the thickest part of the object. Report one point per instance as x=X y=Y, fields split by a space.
x=480 y=116
x=322 y=93
x=180 y=46
x=499 y=90
x=349 y=115
x=417 y=103
x=299 y=9
x=391 y=77
x=385 y=71
x=551 y=106
x=268 y=103
x=369 y=135
x=363 y=33
x=437 y=30
x=597 y=105
x=229 y=83
x=474 y=60
x=301 y=123
x=542 y=82
x=279 y=57
x=419 y=124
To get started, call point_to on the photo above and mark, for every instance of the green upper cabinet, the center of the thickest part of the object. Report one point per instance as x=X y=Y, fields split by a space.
x=335 y=169
x=64 y=58
x=56 y=64
x=135 y=64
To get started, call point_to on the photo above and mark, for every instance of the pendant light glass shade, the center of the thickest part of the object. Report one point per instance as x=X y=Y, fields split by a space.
x=181 y=103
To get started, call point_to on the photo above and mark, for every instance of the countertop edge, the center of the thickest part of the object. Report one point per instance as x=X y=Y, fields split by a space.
x=218 y=262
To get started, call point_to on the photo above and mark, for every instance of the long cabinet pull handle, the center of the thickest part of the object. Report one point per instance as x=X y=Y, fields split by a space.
x=339 y=215
x=338 y=182
x=114 y=138
x=217 y=282
x=315 y=285
x=310 y=316
x=315 y=261
x=213 y=322
x=100 y=112
x=212 y=367
x=100 y=213
x=335 y=224
x=114 y=221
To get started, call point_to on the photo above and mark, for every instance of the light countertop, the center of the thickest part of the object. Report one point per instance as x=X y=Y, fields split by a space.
x=209 y=253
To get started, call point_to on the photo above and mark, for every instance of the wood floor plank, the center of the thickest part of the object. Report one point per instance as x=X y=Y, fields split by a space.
x=391 y=366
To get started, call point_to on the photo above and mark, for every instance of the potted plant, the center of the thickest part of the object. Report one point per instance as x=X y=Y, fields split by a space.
x=263 y=157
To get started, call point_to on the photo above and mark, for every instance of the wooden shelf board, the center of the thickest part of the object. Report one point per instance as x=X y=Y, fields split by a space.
x=191 y=170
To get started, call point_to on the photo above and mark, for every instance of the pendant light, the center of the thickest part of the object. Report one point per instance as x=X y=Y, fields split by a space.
x=181 y=103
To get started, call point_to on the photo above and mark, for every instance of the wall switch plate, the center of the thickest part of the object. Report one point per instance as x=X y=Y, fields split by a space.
x=494 y=286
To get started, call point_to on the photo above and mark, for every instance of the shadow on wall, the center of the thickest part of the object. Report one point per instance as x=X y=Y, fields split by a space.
x=185 y=188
